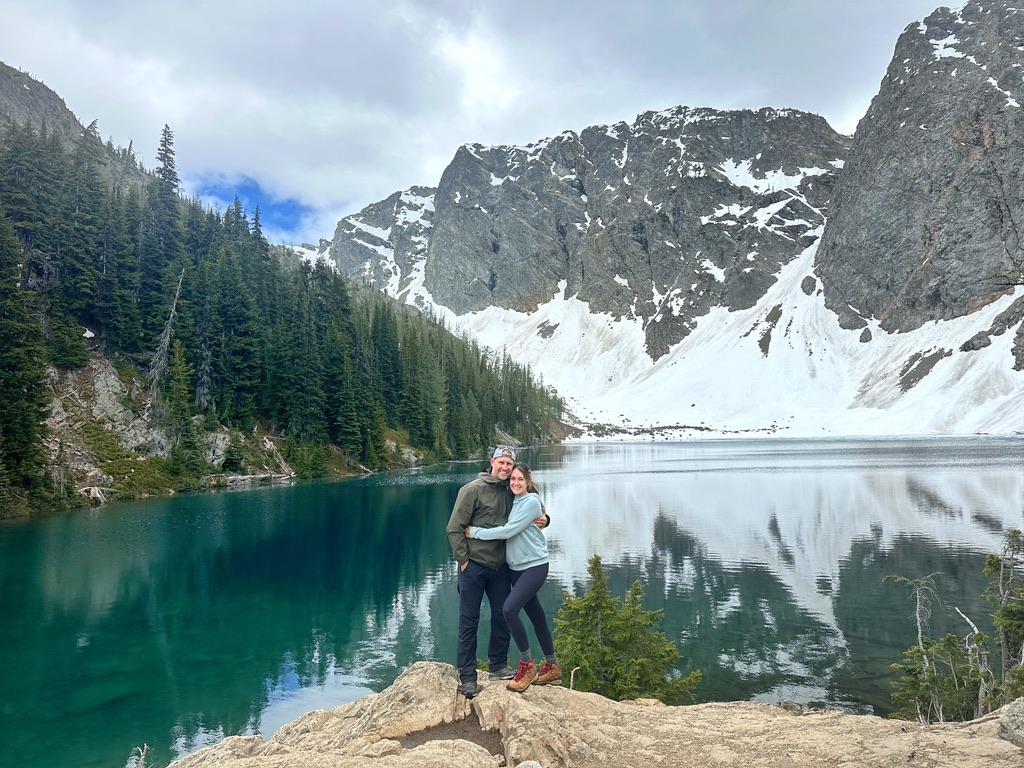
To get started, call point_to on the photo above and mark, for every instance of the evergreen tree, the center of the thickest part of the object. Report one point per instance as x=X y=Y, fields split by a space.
x=186 y=448
x=201 y=230
x=165 y=206
x=161 y=242
x=116 y=313
x=937 y=683
x=345 y=426
x=235 y=344
x=305 y=405
x=65 y=344
x=613 y=648
x=204 y=364
x=261 y=265
x=386 y=357
x=23 y=405
x=79 y=249
x=1005 y=592
x=372 y=417
x=234 y=455
x=29 y=181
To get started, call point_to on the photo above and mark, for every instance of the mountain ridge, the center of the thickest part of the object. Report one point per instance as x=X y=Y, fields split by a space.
x=925 y=209
x=673 y=320
x=27 y=101
x=507 y=224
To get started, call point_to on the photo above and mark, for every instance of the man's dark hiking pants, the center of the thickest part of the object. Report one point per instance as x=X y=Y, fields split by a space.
x=475 y=582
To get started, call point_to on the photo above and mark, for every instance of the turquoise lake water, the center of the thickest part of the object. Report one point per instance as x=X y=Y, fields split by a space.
x=175 y=622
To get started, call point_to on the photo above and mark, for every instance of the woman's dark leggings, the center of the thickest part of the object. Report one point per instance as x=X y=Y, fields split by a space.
x=525 y=586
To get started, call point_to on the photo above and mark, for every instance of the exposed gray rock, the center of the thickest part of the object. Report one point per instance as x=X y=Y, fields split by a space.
x=422 y=721
x=23 y=99
x=96 y=397
x=383 y=243
x=97 y=390
x=927 y=219
x=1011 y=722
x=683 y=210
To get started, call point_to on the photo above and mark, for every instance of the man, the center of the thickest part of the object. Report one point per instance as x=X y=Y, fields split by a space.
x=484 y=502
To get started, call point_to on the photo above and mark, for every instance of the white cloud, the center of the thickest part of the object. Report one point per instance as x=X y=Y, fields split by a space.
x=339 y=104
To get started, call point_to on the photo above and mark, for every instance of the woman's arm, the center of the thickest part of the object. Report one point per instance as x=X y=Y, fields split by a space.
x=523 y=515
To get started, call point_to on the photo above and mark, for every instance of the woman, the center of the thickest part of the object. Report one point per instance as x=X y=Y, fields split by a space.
x=526 y=553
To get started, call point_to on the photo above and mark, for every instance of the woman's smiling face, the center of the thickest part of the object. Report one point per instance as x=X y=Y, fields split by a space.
x=517 y=482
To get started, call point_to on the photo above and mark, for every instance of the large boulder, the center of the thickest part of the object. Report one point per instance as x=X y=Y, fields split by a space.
x=1011 y=722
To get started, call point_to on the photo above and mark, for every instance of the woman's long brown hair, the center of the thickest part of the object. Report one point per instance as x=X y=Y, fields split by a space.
x=527 y=476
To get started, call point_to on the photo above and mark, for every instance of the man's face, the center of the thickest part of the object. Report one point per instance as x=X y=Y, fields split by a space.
x=501 y=467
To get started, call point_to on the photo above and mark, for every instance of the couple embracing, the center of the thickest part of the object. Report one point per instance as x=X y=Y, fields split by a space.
x=496 y=539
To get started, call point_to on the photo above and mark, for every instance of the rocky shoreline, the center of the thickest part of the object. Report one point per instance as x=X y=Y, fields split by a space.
x=422 y=721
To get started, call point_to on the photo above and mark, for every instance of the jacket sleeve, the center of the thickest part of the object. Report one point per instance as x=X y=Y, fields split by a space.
x=522 y=518
x=462 y=513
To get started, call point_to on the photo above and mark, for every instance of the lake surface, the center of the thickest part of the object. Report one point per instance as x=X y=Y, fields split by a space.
x=176 y=622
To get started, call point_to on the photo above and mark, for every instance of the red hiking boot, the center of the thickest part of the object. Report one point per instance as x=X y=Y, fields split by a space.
x=526 y=674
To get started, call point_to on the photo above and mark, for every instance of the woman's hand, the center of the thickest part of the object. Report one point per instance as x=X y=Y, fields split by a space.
x=467 y=533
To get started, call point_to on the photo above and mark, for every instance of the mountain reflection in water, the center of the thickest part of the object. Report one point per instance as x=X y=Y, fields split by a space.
x=175 y=622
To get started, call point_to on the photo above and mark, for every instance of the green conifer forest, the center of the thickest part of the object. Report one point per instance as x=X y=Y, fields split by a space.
x=231 y=330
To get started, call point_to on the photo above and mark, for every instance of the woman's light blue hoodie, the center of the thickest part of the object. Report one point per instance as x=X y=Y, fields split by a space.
x=526 y=545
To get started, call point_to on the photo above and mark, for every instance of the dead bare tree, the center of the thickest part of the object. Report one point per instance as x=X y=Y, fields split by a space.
x=162 y=355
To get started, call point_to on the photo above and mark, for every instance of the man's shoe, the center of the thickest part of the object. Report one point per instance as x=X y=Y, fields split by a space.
x=502 y=674
x=549 y=674
x=527 y=674
x=468 y=688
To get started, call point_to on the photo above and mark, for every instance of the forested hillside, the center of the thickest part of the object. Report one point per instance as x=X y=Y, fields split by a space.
x=225 y=329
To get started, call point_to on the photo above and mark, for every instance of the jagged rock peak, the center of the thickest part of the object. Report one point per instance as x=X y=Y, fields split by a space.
x=656 y=222
x=25 y=99
x=927 y=219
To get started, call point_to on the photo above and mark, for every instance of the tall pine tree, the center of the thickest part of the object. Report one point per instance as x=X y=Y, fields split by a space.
x=22 y=407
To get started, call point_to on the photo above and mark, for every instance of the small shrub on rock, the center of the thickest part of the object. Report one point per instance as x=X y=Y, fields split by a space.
x=612 y=647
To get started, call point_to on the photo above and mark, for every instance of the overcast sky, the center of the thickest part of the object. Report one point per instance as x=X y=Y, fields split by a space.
x=313 y=109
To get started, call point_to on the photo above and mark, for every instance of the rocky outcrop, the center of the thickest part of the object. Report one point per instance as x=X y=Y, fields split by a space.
x=27 y=101
x=94 y=415
x=422 y=721
x=101 y=425
x=24 y=99
x=927 y=221
x=1011 y=722
x=659 y=220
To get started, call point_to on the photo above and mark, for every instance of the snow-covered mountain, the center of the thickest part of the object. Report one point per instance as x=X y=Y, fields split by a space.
x=748 y=272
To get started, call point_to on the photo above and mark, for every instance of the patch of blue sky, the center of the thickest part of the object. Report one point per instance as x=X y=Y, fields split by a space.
x=283 y=219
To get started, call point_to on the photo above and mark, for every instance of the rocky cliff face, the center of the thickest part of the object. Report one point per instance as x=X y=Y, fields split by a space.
x=683 y=210
x=23 y=99
x=928 y=219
